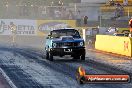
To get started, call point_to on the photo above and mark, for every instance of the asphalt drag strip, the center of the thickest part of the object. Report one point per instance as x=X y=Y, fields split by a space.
x=69 y=67
x=30 y=65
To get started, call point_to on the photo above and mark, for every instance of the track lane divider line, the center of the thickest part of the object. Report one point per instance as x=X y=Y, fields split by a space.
x=9 y=81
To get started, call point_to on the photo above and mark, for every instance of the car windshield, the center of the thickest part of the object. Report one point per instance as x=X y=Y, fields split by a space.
x=68 y=32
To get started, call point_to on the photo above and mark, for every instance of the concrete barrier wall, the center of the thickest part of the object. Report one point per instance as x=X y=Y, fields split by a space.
x=114 y=44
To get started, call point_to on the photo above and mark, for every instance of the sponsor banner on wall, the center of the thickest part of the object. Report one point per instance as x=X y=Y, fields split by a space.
x=45 y=26
x=18 y=26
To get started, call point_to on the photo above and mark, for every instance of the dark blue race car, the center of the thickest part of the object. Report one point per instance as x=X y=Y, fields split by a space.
x=62 y=42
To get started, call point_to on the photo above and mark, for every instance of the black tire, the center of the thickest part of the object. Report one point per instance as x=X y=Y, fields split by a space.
x=83 y=56
x=47 y=55
x=50 y=56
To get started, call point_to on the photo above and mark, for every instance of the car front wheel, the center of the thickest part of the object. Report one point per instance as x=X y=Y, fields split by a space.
x=83 y=56
x=49 y=56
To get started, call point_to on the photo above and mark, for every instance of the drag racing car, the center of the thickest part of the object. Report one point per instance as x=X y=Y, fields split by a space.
x=63 y=42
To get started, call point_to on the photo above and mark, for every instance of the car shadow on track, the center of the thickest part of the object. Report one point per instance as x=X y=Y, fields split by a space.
x=67 y=60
